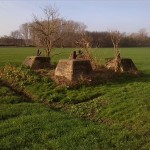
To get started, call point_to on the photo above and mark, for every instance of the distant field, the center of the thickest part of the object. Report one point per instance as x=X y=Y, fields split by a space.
x=141 y=56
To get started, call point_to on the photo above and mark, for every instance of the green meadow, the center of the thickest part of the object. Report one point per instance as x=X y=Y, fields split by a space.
x=113 y=115
x=141 y=56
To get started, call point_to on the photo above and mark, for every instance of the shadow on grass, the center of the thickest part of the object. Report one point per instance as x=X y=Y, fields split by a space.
x=23 y=96
x=127 y=78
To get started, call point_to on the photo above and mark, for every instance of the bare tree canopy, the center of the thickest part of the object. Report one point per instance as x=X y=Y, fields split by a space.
x=50 y=30
x=25 y=32
x=72 y=32
x=16 y=34
x=115 y=38
x=47 y=31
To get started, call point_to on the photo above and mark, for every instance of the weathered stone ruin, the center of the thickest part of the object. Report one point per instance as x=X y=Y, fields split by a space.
x=121 y=65
x=73 y=69
x=37 y=62
x=80 y=55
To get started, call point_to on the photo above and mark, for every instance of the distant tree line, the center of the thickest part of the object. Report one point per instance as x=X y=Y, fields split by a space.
x=54 y=31
x=102 y=39
x=64 y=33
x=96 y=39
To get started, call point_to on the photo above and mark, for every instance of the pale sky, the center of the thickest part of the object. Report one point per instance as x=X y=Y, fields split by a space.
x=99 y=15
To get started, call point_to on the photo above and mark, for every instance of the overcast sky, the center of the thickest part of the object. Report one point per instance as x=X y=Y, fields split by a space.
x=99 y=15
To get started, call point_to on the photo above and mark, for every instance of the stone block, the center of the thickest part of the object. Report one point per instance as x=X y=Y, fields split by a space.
x=123 y=64
x=73 y=69
x=37 y=62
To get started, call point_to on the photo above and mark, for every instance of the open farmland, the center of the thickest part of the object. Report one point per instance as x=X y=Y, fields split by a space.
x=114 y=115
x=141 y=56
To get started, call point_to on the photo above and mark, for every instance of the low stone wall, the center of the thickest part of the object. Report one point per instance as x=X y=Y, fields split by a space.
x=128 y=65
x=37 y=62
x=73 y=69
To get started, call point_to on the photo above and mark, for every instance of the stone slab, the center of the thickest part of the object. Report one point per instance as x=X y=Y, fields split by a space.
x=37 y=62
x=125 y=64
x=73 y=69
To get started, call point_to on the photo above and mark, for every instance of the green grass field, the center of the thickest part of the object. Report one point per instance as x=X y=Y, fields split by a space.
x=114 y=115
x=141 y=56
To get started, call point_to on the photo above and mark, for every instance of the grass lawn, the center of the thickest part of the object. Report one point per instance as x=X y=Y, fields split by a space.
x=26 y=125
x=16 y=55
x=106 y=116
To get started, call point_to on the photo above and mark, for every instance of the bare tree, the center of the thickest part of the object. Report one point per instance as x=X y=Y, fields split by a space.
x=17 y=38
x=47 y=31
x=25 y=32
x=143 y=33
x=71 y=32
x=83 y=43
x=16 y=34
x=115 y=38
